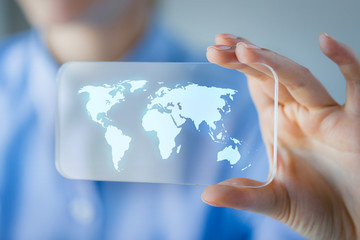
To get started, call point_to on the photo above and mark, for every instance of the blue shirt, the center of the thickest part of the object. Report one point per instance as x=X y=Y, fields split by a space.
x=37 y=203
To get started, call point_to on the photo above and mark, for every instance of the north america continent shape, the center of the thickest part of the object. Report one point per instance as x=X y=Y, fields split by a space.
x=100 y=102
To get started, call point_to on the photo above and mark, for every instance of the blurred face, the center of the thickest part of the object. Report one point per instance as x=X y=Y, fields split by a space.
x=43 y=14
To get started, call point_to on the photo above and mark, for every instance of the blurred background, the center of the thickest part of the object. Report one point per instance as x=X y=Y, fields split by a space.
x=288 y=27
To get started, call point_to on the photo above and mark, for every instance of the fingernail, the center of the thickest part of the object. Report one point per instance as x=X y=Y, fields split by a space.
x=220 y=47
x=326 y=35
x=212 y=204
x=229 y=182
x=230 y=36
x=247 y=45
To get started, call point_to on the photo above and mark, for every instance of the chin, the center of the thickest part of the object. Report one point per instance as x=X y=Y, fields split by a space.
x=45 y=13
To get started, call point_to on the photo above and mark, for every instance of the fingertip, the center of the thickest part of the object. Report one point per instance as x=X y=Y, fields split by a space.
x=221 y=54
x=218 y=195
x=339 y=52
x=326 y=43
x=225 y=38
x=229 y=194
x=325 y=35
x=209 y=196
x=330 y=46
x=247 y=45
x=229 y=39
x=212 y=54
x=247 y=53
x=225 y=35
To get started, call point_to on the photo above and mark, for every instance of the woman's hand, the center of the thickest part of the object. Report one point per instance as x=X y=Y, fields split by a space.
x=317 y=187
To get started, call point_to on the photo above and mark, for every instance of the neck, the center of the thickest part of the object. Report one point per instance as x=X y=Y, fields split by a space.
x=81 y=41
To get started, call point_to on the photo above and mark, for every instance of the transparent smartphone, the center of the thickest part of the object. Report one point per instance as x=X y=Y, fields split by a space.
x=183 y=123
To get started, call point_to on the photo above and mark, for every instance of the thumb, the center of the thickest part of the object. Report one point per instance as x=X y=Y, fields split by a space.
x=268 y=200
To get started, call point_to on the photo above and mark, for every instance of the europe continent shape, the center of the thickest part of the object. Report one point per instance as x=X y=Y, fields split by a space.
x=167 y=111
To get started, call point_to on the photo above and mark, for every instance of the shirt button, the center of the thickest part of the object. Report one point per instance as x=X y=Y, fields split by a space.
x=82 y=211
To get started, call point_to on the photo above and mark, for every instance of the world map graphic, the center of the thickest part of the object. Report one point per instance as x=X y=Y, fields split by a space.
x=167 y=110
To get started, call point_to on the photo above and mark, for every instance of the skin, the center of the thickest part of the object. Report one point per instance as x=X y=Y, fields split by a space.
x=88 y=30
x=316 y=189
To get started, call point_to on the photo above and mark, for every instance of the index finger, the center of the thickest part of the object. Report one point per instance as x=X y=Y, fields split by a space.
x=299 y=81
